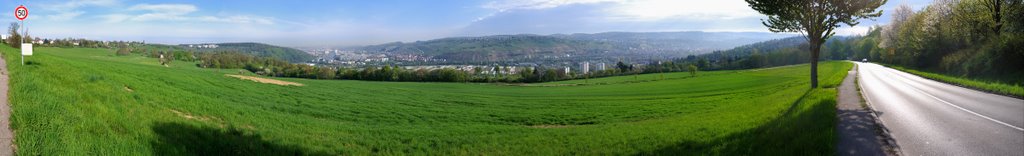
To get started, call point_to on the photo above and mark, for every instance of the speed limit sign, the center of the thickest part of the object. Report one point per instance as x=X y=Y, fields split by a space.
x=21 y=12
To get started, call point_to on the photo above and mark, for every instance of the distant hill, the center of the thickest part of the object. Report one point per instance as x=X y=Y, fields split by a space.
x=775 y=45
x=766 y=46
x=255 y=49
x=678 y=41
x=628 y=45
x=492 y=48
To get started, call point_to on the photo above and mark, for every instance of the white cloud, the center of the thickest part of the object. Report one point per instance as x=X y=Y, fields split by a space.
x=69 y=10
x=640 y=10
x=174 y=12
x=237 y=19
x=180 y=12
x=652 y=10
x=75 y=4
x=537 y=4
x=63 y=16
x=113 y=18
x=588 y=16
x=165 y=8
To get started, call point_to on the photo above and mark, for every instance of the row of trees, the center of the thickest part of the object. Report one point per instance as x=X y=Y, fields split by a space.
x=84 y=43
x=17 y=38
x=274 y=67
x=971 y=38
x=269 y=66
x=779 y=52
x=395 y=73
x=166 y=56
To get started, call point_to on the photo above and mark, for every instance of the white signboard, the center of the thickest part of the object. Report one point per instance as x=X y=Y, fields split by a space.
x=26 y=49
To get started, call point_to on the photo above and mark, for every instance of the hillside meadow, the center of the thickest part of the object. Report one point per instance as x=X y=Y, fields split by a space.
x=79 y=101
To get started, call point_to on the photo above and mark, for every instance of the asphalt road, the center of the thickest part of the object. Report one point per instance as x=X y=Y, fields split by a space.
x=927 y=117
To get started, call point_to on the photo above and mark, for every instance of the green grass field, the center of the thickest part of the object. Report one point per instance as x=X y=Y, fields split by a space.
x=90 y=102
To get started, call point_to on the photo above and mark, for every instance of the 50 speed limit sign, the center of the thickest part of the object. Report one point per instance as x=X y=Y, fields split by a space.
x=21 y=12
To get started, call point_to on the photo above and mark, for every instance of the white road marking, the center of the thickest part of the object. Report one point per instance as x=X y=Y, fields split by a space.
x=958 y=107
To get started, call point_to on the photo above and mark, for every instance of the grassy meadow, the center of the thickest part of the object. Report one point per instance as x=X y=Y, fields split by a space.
x=81 y=101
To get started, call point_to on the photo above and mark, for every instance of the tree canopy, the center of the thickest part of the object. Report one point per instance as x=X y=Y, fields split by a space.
x=816 y=19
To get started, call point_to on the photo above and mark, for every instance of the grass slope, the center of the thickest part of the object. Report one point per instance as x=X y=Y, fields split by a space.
x=90 y=102
x=1015 y=90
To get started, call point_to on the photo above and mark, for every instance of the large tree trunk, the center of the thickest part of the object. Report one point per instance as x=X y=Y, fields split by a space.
x=815 y=50
x=996 y=16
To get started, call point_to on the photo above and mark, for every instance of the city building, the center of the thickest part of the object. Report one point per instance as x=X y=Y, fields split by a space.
x=585 y=67
x=211 y=46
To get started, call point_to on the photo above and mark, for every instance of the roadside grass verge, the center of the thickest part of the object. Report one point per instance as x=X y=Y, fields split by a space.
x=1014 y=90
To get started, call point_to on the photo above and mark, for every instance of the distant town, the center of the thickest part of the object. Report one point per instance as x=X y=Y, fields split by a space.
x=352 y=58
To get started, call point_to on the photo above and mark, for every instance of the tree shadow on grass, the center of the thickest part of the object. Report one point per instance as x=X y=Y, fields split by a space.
x=800 y=130
x=184 y=139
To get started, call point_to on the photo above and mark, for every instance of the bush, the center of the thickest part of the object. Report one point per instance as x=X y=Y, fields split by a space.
x=123 y=52
x=693 y=70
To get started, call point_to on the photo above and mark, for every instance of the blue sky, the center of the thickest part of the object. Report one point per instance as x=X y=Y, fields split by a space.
x=358 y=22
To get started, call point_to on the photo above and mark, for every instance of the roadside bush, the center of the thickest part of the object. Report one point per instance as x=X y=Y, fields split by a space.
x=954 y=62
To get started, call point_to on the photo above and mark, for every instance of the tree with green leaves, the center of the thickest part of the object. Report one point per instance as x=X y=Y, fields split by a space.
x=123 y=51
x=816 y=19
x=13 y=40
x=692 y=69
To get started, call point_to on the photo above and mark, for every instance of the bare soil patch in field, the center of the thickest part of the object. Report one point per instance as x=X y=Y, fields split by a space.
x=265 y=80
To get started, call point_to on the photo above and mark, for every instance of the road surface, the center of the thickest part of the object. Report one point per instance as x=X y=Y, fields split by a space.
x=927 y=117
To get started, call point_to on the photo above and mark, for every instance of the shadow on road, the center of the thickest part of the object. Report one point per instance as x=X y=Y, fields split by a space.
x=184 y=139
x=859 y=127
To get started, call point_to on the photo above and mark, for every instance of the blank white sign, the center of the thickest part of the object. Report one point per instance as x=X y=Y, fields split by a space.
x=26 y=49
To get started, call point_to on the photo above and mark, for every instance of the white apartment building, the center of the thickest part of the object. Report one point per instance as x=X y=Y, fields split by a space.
x=585 y=67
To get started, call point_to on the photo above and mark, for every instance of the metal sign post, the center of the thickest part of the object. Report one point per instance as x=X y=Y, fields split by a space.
x=21 y=12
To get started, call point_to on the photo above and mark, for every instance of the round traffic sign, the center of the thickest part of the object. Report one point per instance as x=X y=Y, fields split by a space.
x=21 y=12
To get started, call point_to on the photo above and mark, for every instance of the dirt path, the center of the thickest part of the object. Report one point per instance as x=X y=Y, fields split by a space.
x=6 y=135
x=858 y=132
